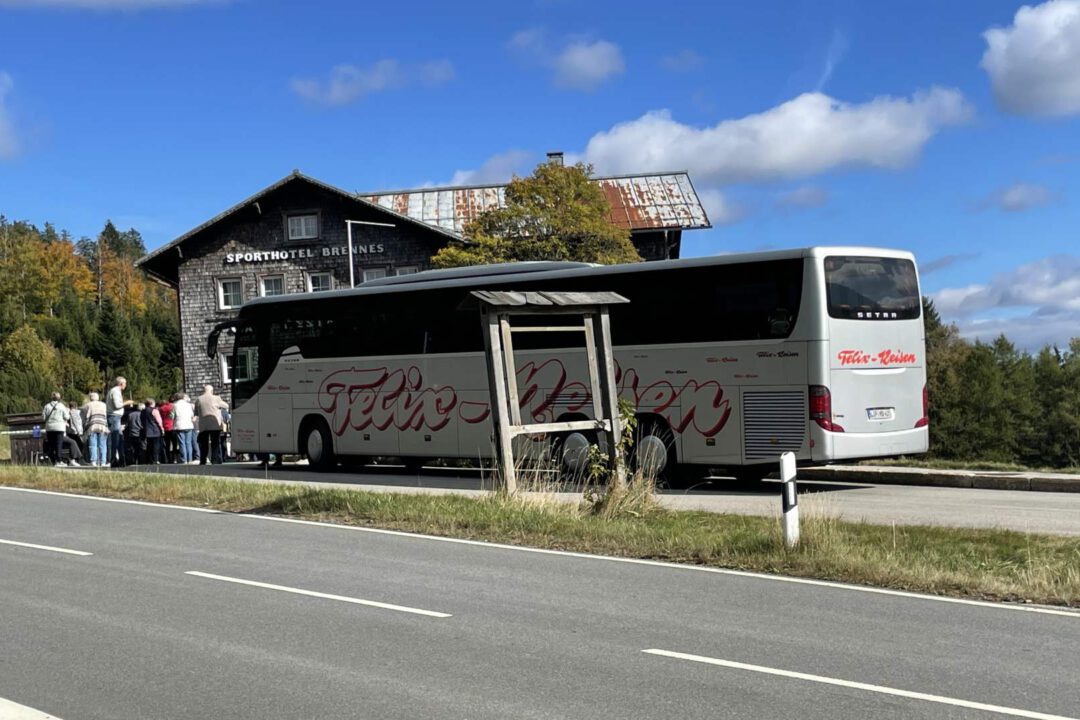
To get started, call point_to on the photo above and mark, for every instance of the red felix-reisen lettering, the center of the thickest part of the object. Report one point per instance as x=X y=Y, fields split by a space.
x=885 y=358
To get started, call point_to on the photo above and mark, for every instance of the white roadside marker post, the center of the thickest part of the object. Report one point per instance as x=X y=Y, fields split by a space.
x=790 y=498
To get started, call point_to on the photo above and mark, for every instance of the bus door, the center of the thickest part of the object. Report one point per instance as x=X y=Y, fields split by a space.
x=877 y=373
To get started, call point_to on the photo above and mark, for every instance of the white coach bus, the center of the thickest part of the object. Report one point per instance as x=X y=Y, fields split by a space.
x=729 y=361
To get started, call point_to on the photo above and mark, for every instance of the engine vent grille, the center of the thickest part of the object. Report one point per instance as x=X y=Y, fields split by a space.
x=773 y=423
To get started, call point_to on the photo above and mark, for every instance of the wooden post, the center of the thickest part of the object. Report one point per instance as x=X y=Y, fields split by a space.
x=504 y=449
x=609 y=395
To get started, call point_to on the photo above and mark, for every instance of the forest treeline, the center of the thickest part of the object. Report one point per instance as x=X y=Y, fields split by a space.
x=75 y=313
x=991 y=401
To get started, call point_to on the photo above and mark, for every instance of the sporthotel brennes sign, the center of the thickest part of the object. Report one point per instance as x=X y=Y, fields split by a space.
x=300 y=253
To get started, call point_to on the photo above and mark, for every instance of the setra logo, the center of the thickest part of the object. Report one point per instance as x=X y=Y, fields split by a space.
x=885 y=357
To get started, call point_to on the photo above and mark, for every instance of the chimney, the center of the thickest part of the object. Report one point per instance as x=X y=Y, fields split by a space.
x=555 y=158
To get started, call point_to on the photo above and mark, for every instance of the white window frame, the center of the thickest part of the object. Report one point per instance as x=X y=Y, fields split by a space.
x=221 y=292
x=407 y=270
x=262 y=284
x=375 y=274
x=304 y=232
x=329 y=275
x=244 y=356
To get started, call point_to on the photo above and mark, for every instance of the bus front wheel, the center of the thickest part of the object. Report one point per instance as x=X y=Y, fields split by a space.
x=318 y=445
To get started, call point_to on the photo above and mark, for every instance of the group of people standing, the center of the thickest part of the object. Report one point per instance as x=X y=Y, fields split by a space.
x=120 y=432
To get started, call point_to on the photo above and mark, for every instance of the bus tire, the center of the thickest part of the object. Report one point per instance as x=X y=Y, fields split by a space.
x=317 y=444
x=654 y=454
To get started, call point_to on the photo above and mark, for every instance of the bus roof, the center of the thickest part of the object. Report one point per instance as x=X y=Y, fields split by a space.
x=479 y=275
x=529 y=266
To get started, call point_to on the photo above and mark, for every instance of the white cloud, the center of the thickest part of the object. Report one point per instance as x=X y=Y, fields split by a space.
x=105 y=4
x=720 y=209
x=1043 y=298
x=498 y=168
x=1020 y=197
x=1029 y=332
x=1033 y=64
x=1051 y=284
x=807 y=196
x=579 y=64
x=9 y=143
x=811 y=134
x=349 y=83
x=683 y=61
x=586 y=65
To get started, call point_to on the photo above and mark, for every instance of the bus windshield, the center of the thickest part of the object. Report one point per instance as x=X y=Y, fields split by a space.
x=871 y=288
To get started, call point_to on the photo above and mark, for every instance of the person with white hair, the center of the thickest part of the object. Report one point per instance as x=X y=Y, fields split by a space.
x=208 y=407
x=114 y=403
x=183 y=416
x=97 y=430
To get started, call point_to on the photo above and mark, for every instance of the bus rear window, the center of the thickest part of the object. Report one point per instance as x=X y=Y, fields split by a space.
x=871 y=288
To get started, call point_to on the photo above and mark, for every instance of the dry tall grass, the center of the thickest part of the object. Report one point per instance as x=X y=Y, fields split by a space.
x=989 y=564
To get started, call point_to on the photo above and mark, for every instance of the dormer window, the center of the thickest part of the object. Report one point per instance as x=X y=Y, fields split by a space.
x=303 y=227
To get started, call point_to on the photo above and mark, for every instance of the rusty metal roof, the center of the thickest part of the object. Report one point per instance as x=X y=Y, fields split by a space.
x=547 y=298
x=638 y=202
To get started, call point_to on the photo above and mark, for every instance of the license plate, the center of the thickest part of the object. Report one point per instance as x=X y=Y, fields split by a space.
x=880 y=413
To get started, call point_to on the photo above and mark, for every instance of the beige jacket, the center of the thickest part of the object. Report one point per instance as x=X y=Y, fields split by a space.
x=208 y=408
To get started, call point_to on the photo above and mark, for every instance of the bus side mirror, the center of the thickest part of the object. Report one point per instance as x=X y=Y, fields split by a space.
x=212 y=340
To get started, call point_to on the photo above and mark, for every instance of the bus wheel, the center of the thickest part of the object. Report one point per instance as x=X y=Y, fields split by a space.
x=571 y=453
x=318 y=445
x=654 y=454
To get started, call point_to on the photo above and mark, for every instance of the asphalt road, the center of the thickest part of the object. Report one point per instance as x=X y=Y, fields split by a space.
x=467 y=630
x=1041 y=512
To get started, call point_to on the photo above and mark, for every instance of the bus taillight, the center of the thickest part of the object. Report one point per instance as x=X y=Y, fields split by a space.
x=925 y=419
x=821 y=408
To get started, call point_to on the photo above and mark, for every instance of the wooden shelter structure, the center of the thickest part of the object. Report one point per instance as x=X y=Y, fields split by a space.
x=497 y=307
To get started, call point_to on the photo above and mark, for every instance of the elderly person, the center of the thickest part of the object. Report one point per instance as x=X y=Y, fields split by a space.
x=153 y=431
x=75 y=428
x=97 y=430
x=114 y=404
x=183 y=415
x=56 y=416
x=208 y=407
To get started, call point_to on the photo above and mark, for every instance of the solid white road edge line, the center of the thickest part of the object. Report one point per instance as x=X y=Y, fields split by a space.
x=14 y=711
x=50 y=548
x=1042 y=610
x=1015 y=712
x=326 y=596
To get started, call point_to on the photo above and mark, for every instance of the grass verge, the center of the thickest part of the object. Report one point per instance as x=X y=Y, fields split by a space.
x=986 y=564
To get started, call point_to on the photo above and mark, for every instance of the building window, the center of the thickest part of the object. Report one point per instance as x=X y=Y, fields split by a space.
x=374 y=274
x=230 y=293
x=303 y=227
x=408 y=270
x=319 y=282
x=271 y=285
x=241 y=371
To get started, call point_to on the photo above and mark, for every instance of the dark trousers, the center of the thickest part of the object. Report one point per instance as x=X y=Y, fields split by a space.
x=135 y=448
x=153 y=449
x=172 y=446
x=116 y=442
x=209 y=447
x=53 y=444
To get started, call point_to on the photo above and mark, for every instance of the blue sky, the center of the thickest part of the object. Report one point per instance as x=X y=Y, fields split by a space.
x=951 y=129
